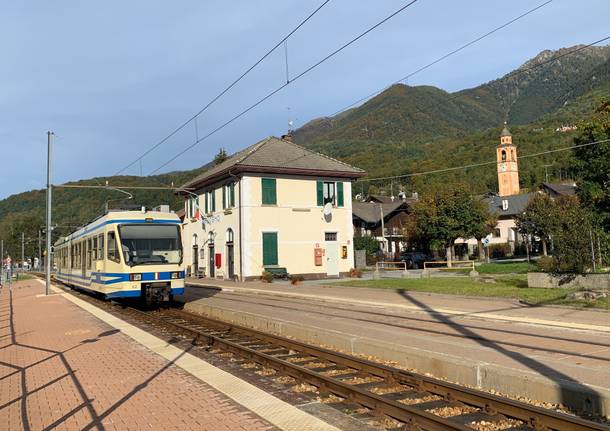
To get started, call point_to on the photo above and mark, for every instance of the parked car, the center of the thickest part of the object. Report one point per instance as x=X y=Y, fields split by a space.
x=414 y=259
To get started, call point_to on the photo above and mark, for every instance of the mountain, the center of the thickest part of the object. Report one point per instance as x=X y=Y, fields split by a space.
x=401 y=121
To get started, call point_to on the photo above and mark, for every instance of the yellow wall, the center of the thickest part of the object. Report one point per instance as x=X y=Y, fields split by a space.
x=298 y=221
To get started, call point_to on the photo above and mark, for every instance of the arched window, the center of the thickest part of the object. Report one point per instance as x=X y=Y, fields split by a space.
x=229 y=238
x=211 y=238
x=503 y=155
x=194 y=240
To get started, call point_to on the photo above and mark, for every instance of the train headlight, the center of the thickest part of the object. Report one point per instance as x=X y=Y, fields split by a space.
x=135 y=277
x=175 y=275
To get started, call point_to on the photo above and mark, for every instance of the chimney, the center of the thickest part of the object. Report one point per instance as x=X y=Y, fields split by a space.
x=287 y=137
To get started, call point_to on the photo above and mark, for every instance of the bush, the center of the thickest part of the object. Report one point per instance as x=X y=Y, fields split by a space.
x=499 y=250
x=355 y=273
x=368 y=243
x=546 y=264
x=266 y=277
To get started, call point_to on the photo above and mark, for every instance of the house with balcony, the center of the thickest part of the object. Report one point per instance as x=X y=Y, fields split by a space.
x=273 y=205
x=385 y=219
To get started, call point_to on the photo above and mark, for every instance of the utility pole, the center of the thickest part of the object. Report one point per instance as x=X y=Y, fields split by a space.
x=39 y=248
x=48 y=231
x=382 y=228
x=22 y=250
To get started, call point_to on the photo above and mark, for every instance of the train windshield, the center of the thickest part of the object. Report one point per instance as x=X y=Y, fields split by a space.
x=151 y=244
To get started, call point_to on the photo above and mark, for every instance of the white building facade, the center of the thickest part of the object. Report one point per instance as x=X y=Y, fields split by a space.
x=274 y=205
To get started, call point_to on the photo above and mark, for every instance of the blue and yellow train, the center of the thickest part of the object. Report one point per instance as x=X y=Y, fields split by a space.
x=124 y=254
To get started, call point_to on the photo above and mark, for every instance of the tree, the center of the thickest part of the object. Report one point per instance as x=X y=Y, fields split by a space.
x=571 y=233
x=447 y=214
x=592 y=164
x=368 y=243
x=220 y=157
x=482 y=224
x=538 y=219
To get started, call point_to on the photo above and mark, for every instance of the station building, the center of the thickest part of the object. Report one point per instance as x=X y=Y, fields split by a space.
x=272 y=205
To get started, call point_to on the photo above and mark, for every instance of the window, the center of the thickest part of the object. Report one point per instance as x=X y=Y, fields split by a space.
x=228 y=196
x=270 y=248
x=94 y=249
x=496 y=233
x=113 y=253
x=89 y=253
x=100 y=245
x=229 y=236
x=156 y=244
x=329 y=191
x=269 y=191
x=503 y=155
x=330 y=236
x=210 y=201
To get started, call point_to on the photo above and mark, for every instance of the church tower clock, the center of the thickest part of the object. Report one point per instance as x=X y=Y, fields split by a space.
x=508 y=170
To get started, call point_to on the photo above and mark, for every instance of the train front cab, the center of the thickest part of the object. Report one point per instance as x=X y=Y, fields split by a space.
x=142 y=260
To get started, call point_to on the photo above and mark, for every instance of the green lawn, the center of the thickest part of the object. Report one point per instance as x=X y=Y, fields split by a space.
x=505 y=268
x=514 y=286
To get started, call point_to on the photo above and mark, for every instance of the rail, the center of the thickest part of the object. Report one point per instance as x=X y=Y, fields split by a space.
x=279 y=353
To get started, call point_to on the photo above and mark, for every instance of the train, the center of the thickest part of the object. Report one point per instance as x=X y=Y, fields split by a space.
x=124 y=254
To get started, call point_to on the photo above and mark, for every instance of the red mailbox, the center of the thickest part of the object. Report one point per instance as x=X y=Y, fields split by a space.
x=218 y=260
x=318 y=253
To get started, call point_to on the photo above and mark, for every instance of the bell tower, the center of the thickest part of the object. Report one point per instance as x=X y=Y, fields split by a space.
x=508 y=170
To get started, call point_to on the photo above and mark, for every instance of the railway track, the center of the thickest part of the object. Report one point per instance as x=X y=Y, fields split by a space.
x=412 y=401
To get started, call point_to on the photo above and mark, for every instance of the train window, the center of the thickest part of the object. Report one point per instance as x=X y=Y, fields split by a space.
x=89 y=253
x=113 y=253
x=94 y=248
x=100 y=244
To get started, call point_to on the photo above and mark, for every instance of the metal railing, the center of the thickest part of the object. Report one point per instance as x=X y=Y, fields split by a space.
x=455 y=264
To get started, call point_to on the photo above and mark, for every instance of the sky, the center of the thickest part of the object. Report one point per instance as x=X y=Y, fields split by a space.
x=113 y=78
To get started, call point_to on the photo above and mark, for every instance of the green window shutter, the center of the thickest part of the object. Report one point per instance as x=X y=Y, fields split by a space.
x=232 y=195
x=207 y=198
x=269 y=191
x=340 y=194
x=224 y=197
x=320 y=193
x=269 y=248
x=213 y=194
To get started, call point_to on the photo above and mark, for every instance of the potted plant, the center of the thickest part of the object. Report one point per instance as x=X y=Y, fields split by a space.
x=295 y=280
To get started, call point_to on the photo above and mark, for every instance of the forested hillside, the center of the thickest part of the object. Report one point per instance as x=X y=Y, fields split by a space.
x=403 y=130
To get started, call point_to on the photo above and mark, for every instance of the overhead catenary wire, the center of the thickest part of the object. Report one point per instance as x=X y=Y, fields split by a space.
x=474 y=165
x=511 y=74
x=443 y=57
x=224 y=91
x=281 y=87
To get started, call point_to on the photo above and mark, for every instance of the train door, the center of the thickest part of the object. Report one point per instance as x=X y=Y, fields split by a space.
x=83 y=258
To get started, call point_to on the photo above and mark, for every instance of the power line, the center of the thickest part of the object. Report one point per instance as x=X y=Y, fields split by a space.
x=223 y=92
x=309 y=69
x=438 y=60
x=474 y=165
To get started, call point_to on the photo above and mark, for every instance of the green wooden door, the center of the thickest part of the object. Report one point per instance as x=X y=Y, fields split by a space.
x=269 y=248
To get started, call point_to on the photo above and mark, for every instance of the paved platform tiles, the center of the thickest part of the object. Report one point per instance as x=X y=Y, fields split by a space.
x=63 y=368
x=553 y=354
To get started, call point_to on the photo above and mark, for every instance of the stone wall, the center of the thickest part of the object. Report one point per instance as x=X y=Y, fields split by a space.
x=549 y=281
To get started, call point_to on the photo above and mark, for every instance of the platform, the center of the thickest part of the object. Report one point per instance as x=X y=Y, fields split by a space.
x=69 y=365
x=552 y=354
